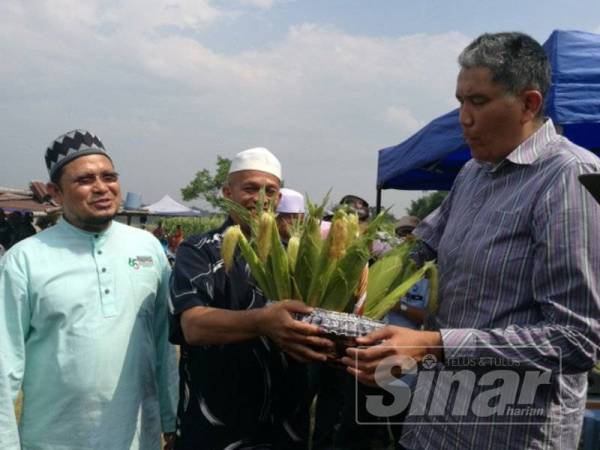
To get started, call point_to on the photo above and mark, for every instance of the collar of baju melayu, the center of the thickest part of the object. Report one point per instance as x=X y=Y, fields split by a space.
x=530 y=150
x=88 y=235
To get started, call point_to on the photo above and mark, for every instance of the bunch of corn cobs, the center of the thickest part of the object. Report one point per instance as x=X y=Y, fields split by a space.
x=331 y=273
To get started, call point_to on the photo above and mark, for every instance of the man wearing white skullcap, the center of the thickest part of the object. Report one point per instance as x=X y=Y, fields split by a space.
x=290 y=209
x=239 y=388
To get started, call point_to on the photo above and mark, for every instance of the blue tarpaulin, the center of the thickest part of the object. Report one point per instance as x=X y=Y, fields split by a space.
x=431 y=158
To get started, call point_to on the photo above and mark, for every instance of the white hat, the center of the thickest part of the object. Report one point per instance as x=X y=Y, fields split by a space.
x=291 y=202
x=257 y=158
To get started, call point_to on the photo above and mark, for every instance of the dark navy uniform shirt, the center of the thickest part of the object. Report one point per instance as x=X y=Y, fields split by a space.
x=233 y=396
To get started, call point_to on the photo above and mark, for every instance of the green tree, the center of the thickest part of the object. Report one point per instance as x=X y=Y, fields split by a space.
x=425 y=205
x=207 y=185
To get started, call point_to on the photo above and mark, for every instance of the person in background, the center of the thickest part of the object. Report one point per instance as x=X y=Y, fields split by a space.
x=352 y=203
x=28 y=226
x=384 y=241
x=143 y=221
x=47 y=221
x=176 y=239
x=160 y=234
x=357 y=205
x=21 y=226
x=5 y=231
x=290 y=209
x=84 y=319
x=406 y=225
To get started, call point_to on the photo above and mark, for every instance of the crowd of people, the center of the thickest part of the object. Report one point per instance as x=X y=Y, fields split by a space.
x=91 y=312
x=170 y=242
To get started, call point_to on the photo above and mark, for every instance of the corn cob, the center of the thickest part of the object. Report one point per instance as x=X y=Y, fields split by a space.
x=292 y=251
x=339 y=236
x=264 y=241
x=230 y=241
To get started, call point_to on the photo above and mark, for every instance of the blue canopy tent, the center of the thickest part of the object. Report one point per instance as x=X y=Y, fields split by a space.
x=432 y=157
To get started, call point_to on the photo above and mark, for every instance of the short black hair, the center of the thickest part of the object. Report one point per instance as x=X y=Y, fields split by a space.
x=516 y=60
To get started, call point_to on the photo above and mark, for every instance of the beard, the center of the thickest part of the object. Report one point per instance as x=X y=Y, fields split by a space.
x=91 y=223
x=102 y=220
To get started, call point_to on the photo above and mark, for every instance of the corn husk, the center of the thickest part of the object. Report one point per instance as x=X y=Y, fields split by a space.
x=264 y=239
x=257 y=268
x=388 y=271
x=345 y=278
x=377 y=310
x=309 y=248
x=278 y=264
x=396 y=273
x=332 y=251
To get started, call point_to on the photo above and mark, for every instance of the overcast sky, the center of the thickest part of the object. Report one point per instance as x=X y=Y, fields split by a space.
x=168 y=85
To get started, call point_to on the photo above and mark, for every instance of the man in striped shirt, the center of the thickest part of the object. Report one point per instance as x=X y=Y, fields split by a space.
x=518 y=247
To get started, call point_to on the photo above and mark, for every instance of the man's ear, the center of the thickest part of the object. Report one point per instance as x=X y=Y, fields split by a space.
x=226 y=190
x=55 y=192
x=278 y=199
x=532 y=104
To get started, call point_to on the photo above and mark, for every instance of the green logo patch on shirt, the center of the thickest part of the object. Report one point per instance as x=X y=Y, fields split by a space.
x=141 y=261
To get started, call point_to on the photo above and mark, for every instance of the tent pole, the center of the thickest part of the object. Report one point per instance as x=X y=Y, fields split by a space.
x=378 y=200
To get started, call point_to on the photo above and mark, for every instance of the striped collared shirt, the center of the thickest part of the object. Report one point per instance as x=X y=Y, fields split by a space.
x=518 y=248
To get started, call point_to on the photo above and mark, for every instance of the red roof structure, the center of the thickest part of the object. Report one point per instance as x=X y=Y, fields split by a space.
x=36 y=199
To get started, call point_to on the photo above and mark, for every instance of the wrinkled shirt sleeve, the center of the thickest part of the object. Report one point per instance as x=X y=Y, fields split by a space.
x=166 y=370
x=566 y=228
x=14 y=326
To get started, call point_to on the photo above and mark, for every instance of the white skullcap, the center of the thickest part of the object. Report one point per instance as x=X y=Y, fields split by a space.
x=291 y=202
x=257 y=158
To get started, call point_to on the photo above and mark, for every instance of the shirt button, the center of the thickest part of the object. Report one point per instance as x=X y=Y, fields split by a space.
x=103 y=269
x=107 y=291
x=96 y=236
x=99 y=252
